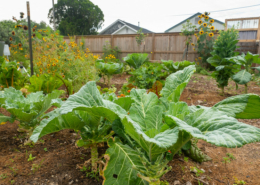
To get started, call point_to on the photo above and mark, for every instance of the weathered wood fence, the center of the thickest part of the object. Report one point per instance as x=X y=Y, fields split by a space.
x=159 y=46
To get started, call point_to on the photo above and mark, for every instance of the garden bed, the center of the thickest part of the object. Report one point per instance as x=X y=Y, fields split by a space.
x=58 y=160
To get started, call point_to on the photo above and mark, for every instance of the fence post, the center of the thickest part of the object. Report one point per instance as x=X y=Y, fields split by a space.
x=153 y=44
x=30 y=36
x=112 y=41
x=75 y=39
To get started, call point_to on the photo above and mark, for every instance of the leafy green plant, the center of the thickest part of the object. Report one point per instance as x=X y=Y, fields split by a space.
x=136 y=60
x=36 y=167
x=244 y=76
x=3 y=176
x=187 y=30
x=140 y=38
x=85 y=111
x=197 y=171
x=145 y=76
x=27 y=111
x=108 y=52
x=173 y=67
x=109 y=69
x=150 y=127
x=155 y=131
x=224 y=49
x=10 y=76
x=31 y=158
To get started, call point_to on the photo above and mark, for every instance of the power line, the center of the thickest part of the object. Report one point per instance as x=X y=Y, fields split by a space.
x=220 y=10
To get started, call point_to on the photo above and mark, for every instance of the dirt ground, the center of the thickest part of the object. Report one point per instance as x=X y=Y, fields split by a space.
x=57 y=158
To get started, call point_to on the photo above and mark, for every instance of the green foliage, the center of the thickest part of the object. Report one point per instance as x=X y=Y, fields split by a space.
x=31 y=158
x=205 y=38
x=145 y=76
x=224 y=49
x=77 y=17
x=26 y=110
x=136 y=60
x=150 y=128
x=108 y=51
x=140 y=37
x=109 y=69
x=173 y=67
x=10 y=76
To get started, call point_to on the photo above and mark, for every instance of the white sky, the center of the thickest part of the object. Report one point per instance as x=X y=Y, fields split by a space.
x=155 y=15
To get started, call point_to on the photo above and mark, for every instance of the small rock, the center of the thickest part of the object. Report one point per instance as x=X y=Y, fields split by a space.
x=188 y=183
x=194 y=170
x=200 y=102
x=52 y=176
x=176 y=183
x=202 y=170
x=36 y=179
x=71 y=182
x=247 y=176
x=66 y=175
x=210 y=171
x=77 y=180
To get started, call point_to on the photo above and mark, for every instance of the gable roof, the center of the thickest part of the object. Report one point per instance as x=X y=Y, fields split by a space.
x=196 y=14
x=134 y=27
x=125 y=26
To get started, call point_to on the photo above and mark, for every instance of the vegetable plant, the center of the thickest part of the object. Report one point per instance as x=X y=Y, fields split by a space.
x=244 y=76
x=155 y=131
x=85 y=111
x=136 y=60
x=145 y=76
x=173 y=67
x=224 y=49
x=109 y=69
x=28 y=111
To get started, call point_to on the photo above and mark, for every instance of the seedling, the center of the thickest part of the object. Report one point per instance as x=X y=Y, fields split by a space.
x=186 y=159
x=226 y=160
x=3 y=176
x=13 y=170
x=36 y=167
x=231 y=156
x=31 y=158
x=45 y=149
x=11 y=160
x=91 y=174
x=42 y=141
x=238 y=182
x=12 y=181
x=196 y=170
x=182 y=168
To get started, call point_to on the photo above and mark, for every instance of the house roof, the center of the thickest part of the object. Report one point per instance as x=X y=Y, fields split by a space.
x=128 y=25
x=182 y=22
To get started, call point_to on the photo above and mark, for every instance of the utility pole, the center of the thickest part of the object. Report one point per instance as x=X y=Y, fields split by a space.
x=30 y=37
x=54 y=25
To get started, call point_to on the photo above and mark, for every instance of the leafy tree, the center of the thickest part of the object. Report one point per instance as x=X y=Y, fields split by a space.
x=75 y=17
x=6 y=27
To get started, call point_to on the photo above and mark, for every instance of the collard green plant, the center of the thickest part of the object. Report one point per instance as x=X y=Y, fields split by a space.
x=109 y=69
x=136 y=60
x=224 y=49
x=145 y=76
x=173 y=67
x=87 y=112
x=28 y=111
x=244 y=76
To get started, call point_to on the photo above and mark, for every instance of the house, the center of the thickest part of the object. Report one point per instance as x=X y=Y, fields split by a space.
x=194 y=20
x=122 y=27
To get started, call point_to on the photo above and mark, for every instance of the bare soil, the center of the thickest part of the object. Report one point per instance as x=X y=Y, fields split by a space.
x=57 y=159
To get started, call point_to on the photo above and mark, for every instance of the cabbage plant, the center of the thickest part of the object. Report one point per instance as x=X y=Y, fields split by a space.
x=173 y=67
x=156 y=126
x=27 y=110
x=109 y=69
x=135 y=60
x=85 y=111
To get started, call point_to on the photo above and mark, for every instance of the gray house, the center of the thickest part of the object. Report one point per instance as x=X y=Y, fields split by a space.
x=194 y=20
x=122 y=27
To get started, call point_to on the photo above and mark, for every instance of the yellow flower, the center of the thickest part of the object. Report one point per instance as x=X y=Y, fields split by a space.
x=211 y=21
x=205 y=24
x=2 y=123
x=206 y=17
x=200 y=21
x=192 y=44
x=196 y=59
x=212 y=27
x=151 y=52
x=201 y=32
x=200 y=58
x=202 y=15
x=44 y=39
x=198 y=63
x=15 y=26
x=211 y=34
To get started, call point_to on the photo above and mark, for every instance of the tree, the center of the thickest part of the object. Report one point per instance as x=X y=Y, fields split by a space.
x=75 y=17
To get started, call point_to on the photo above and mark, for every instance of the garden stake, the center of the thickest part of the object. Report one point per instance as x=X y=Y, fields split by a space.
x=30 y=37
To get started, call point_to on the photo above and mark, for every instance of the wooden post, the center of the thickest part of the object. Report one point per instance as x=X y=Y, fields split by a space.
x=112 y=41
x=30 y=37
x=54 y=25
x=225 y=24
x=75 y=39
x=258 y=31
x=153 y=44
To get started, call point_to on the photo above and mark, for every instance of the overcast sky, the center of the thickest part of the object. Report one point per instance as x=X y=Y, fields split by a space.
x=155 y=15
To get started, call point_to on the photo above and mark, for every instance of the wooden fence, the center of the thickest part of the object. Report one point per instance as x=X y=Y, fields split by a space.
x=159 y=46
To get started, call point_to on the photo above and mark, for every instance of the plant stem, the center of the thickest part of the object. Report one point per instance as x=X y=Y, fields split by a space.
x=108 y=79
x=222 y=90
x=245 y=88
x=94 y=157
x=13 y=78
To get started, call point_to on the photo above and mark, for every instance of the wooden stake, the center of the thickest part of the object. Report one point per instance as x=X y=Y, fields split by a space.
x=30 y=37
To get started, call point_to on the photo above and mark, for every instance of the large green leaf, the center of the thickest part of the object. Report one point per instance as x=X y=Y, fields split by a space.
x=176 y=82
x=119 y=169
x=154 y=144
x=4 y=118
x=56 y=122
x=124 y=102
x=135 y=60
x=242 y=77
x=216 y=128
x=109 y=68
x=245 y=106
x=252 y=58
